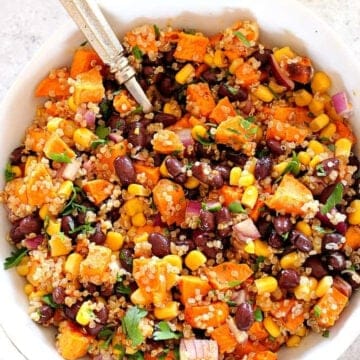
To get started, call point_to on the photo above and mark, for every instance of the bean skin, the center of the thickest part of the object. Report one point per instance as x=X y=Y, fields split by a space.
x=332 y=242
x=210 y=76
x=160 y=245
x=289 y=279
x=71 y=312
x=263 y=168
x=94 y=329
x=328 y=165
x=223 y=221
x=318 y=268
x=275 y=241
x=174 y=166
x=67 y=225
x=282 y=224
x=324 y=195
x=165 y=119
x=275 y=147
x=336 y=261
x=201 y=241
x=16 y=155
x=239 y=95
x=262 y=56
x=137 y=135
x=30 y=224
x=126 y=258
x=59 y=295
x=98 y=237
x=204 y=173
x=125 y=170
x=46 y=313
x=244 y=316
x=224 y=171
x=165 y=85
x=207 y=220
x=301 y=242
x=102 y=315
x=342 y=285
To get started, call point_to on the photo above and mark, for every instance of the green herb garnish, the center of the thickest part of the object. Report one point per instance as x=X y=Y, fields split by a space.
x=137 y=53
x=105 y=109
x=234 y=131
x=320 y=171
x=293 y=166
x=157 y=31
x=137 y=356
x=98 y=142
x=130 y=324
x=326 y=334
x=234 y=283
x=334 y=198
x=258 y=315
x=106 y=333
x=121 y=288
x=138 y=110
x=317 y=311
x=232 y=90
x=15 y=258
x=72 y=205
x=212 y=207
x=85 y=228
x=60 y=158
x=121 y=351
x=204 y=141
x=243 y=38
x=48 y=299
x=164 y=332
x=9 y=174
x=236 y=207
x=102 y=131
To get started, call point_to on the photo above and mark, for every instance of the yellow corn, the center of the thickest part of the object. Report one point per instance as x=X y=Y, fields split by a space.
x=114 y=240
x=71 y=104
x=168 y=312
x=304 y=227
x=85 y=314
x=263 y=93
x=250 y=247
x=319 y=122
x=192 y=183
x=301 y=331
x=54 y=123
x=235 y=174
x=28 y=289
x=141 y=238
x=313 y=283
x=194 y=259
x=219 y=59
x=185 y=74
x=138 y=219
x=291 y=261
x=138 y=190
x=343 y=147
x=324 y=286
x=315 y=160
x=134 y=206
x=83 y=138
x=271 y=327
x=302 y=97
x=275 y=87
x=250 y=196
x=284 y=53
x=279 y=168
x=304 y=158
x=16 y=171
x=68 y=127
x=23 y=268
x=37 y=295
x=53 y=227
x=173 y=260
x=235 y=64
x=209 y=60
x=66 y=189
x=72 y=265
x=44 y=211
x=266 y=284
x=354 y=215
x=250 y=166
x=173 y=108
x=199 y=132
x=163 y=170
x=315 y=147
x=293 y=341
x=246 y=179
x=316 y=106
x=262 y=248
x=320 y=82
x=59 y=245
x=329 y=131
x=303 y=290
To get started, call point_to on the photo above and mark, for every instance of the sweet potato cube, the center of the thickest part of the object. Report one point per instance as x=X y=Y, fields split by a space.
x=225 y=338
x=35 y=139
x=143 y=37
x=98 y=190
x=222 y=110
x=167 y=142
x=55 y=145
x=84 y=60
x=56 y=87
x=147 y=175
x=247 y=75
x=352 y=237
x=199 y=100
x=59 y=245
x=280 y=130
x=192 y=287
x=191 y=47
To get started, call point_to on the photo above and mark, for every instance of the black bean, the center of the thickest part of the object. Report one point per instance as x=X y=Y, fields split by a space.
x=223 y=221
x=90 y=287
x=201 y=241
x=289 y=279
x=207 y=220
x=102 y=315
x=16 y=155
x=301 y=242
x=136 y=134
x=114 y=214
x=275 y=241
x=336 y=261
x=332 y=242
x=210 y=76
x=224 y=171
x=68 y=225
x=190 y=244
x=16 y=235
x=58 y=295
x=166 y=85
x=165 y=119
x=237 y=94
x=244 y=316
x=324 y=195
x=98 y=237
x=46 y=313
x=94 y=329
x=174 y=166
x=262 y=56
x=215 y=180
x=341 y=227
x=106 y=290
x=353 y=278
x=342 y=285
x=329 y=165
x=126 y=258
x=71 y=312
x=275 y=147
x=30 y=224
x=236 y=157
x=147 y=70
x=205 y=174
x=160 y=245
x=168 y=57
x=125 y=170
x=318 y=269
x=282 y=224
x=263 y=168
x=264 y=227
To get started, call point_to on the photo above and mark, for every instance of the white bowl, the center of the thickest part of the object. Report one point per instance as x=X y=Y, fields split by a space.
x=282 y=22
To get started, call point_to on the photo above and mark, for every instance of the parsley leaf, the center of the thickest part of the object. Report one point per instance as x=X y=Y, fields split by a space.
x=72 y=205
x=15 y=258
x=317 y=311
x=334 y=198
x=98 y=142
x=258 y=315
x=102 y=131
x=9 y=174
x=131 y=323
x=48 y=299
x=121 y=288
x=137 y=53
x=293 y=166
x=243 y=38
x=106 y=333
x=163 y=332
x=61 y=158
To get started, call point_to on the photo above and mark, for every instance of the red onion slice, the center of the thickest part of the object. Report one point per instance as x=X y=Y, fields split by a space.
x=34 y=243
x=195 y=349
x=89 y=116
x=185 y=137
x=116 y=138
x=192 y=213
x=341 y=104
x=246 y=230
x=280 y=75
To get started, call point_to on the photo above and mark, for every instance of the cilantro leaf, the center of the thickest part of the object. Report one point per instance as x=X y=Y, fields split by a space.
x=9 y=174
x=317 y=311
x=102 y=131
x=232 y=90
x=258 y=315
x=15 y=258
x=131 y=323
x=105 y=109
x=203 y=141
x=121 y=288
x=48 y=299
x=106 y=333
x=320 y=171
x=137 y=53
x=243 y=38
x=72 y=205
x=86 y=228
x=293 y=166
x=163 y=332
x=334 y=198
x=61 y=158
x=157 y=31
x=137 y=356
x=138 y=110
x=98 y=142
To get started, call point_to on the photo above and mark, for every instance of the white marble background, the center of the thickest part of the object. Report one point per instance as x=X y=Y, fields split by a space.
x=26 y=24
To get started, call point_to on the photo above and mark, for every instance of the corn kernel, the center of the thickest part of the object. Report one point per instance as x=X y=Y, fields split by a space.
x=319 y=122
x=304 y=158
x=303 y=290
x=262 y=248
x=37 y=295
x=53 y=227
x=83 y=138
x=276 y=88
x=246 y=179
x=185 y=74
x=302 y=97
x=85 y=314
x=250 y=247
x=28 y=289
x=250 y=196
x=59 y=245
x=313 y=283
x=329 y=131
x=271 y=327
x=168 y=312
x=194 y=259
x=199 y=132
x=219 y=59
x=324 y=286
x=44 y=211
x=138 y=219
x=343 y=147
x=163 y=170
x=250 y=165
x=72 y=265
x=301 y=331
x=316 y=106
x=71 y=104
x=304 y=227
x=291 y=261
x=134 y=206
x=23 y=268
x=66 y=189
x=263 y=93
x=284 y=53
x=293 y=341
x=173 y=108
x=235 y=64
x=354 y=214
x=143 y=237
x=54 y=123
x=209 y=60
x=16 y=171
x=315 y=161
x=114 y=240
x=316 y=147
x=192 y=183
x=279 y=168
x=138 y=190
x=173 y=260
x=266 y=284
x=235 y=174
x=320 y=82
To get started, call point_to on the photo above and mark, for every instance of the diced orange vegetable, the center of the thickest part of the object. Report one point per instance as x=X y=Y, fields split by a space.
x=215 y=39
x=264 y=355
x=230 y=194
x=205 y=316
x=167 y=142
x=289 y=114
x=225 y=338
x=35 y=139
x=123 y=103
x=352 y=237
x=283 y=131
x=143 y=37
x=249 y=347
x=281 y=308
x=330 y=307
x=292 y=322
x=247 y=75
x=191 y=47
x=200 y=101
x=201 y=69
x=89 y=87
x=344 y=131
x=257 y=331
x=222 y=110
x=169 y=199
x=84 y=60
x=17 y=188
x=56 y=146
x=228 y=275
x=191 y=287
x=256 y=210
x=147 y=175
x=290 y=196
x=56 y=87
x=98 y=190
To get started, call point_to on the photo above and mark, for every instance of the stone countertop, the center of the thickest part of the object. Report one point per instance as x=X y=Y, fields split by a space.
x=25 y=25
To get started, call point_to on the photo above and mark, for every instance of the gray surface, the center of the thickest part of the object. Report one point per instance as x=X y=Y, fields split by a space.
x=26 y=24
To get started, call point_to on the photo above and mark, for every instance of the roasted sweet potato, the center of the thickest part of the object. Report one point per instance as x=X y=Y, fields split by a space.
x=352 y=237
x=84 y=60
x=225 y=338
x=222 y=110
x=191 y=47
x=167 y=142
x=200 y=101
x=191 y=288
x=280 y=130
x=54 y=86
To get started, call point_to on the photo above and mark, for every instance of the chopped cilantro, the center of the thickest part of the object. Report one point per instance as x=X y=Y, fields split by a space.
x=317 y=311
x=334 y=198
x=236 y=207
x=250 y=119
x=85 y=228
x=293 y=166
x=231 y=303
x=121 y=351
x=137 y=356
x=72 y=205
x=9 y=174
x=130 y=324
x=326 y=334
x=138 y=110
x=204 y=141
x=61 y=158
x=258 y=315
x=106 y=333
x=15 y=258
x=164 y=332
x=320 y=171
x=232 y=90
x=234 y=131
x=234 y=283
x=105 y=109
x=121 y=288
x=98 y=142
x=48 y=299
x=331 y=147
x=102 y=131
x=137 y=53
x=157 y=31
x=243 y=38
